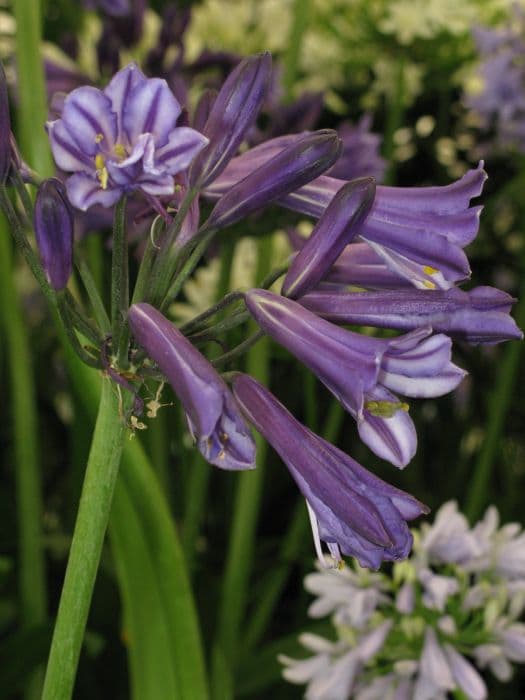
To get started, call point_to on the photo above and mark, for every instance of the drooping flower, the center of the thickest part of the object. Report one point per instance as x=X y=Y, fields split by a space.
x=362 y=371
x=53 y=222
x=121 y=139
x=480 y=315
x=213 y=416
x=353 y=511
x=420 y=232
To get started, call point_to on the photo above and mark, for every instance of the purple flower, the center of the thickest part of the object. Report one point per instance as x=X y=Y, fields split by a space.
x=121 y=139
x=213 y=416
x=335 y=229
x=362 y=371
x=53 y=222
x=232 y=114
x=480 y=315
x=420 y=232
x=301 y=161
x=351 y=510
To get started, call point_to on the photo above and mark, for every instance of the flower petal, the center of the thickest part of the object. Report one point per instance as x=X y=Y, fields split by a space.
x=182 y=147
x=90 y=120
x=150 y=108
x=83 y=191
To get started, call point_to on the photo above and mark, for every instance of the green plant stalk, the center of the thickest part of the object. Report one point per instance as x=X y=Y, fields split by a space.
x=31 y=574
x=300 y=20
x=97 y=304
x=394 y=119
x=119 y=285
x=86 y=545
x=138 y=478
x=242 y=535
x=31 y=86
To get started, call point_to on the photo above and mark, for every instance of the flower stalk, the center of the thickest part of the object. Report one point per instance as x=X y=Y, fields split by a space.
x=86 y=545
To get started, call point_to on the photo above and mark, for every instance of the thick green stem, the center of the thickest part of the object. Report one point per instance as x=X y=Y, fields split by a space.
x=300 y=13
x=31 y=576
x=86 y=545
x=32 y=112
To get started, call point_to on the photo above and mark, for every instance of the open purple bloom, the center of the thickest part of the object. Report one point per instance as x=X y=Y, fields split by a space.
x=362 y=372
x=121 y=139
x=53 y=222
x=213 y=416
x=353 y=511
x=420 y=232
x=335 y=229
x=480 y=315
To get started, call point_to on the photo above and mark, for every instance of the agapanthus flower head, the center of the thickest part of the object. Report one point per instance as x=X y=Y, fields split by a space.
x=448 y=614
x=121 y=139
x=361 y=371
x=53 y=222
x=353 y=511
x=213 y=416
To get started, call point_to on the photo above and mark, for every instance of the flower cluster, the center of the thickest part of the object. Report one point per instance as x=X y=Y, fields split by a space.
x=497 y=94
x=402 y=246
x=428 y=629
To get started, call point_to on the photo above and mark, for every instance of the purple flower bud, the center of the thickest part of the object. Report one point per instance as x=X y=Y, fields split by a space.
x=5 y=129
x=335 y=229
x=480 y=315
x=362 y=371
x=233 y=113
x=294 y=166
x=353 y=511
x=53 y=222
x=213 y=417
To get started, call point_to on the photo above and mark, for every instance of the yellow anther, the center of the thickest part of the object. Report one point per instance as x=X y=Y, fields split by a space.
x=100 y=161
x=430 y=270
x=103 y=178
x=428 y=284
x=99 y=138
x=120 y=150
x=222 y=454
x=385 y=409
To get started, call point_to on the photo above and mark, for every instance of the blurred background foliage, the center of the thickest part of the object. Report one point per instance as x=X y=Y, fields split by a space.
x=410 y=65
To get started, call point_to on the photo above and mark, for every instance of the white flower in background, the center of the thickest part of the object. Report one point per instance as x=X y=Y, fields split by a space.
x=388 y=642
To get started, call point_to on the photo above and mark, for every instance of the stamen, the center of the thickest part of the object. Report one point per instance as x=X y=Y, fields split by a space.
x=325 y=563
x=102 y=172
x=385 y=409
x=120 y=150
x=430 y=270
x=99 y=138
x=429 y=285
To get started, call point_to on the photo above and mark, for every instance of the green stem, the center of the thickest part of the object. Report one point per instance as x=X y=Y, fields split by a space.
x=86 y=546
x=31 y=583
x=300 y=14
x=31 y=86
x=394 y=119
x=144 y=276
x=119 y=284
x=239 y=350
x=90 y=286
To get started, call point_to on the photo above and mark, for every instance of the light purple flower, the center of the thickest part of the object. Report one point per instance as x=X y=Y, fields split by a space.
x=351 y=510
x=53 y=223
x=480 y=315
x=121 y=139
x=213 y=416
x=362 y=371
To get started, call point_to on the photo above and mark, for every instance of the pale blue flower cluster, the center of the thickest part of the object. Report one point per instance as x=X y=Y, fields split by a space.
x=429 y=629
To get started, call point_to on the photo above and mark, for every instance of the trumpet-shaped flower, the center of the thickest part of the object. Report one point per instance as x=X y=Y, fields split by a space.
x=480 y=315
x=353 y=511
x=121 y=139
x=362 y=372
x=213 y=416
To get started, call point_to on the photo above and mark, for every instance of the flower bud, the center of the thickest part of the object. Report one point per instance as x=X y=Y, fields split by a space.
x=53 y=222
x=233 y=113
x=300 y=162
